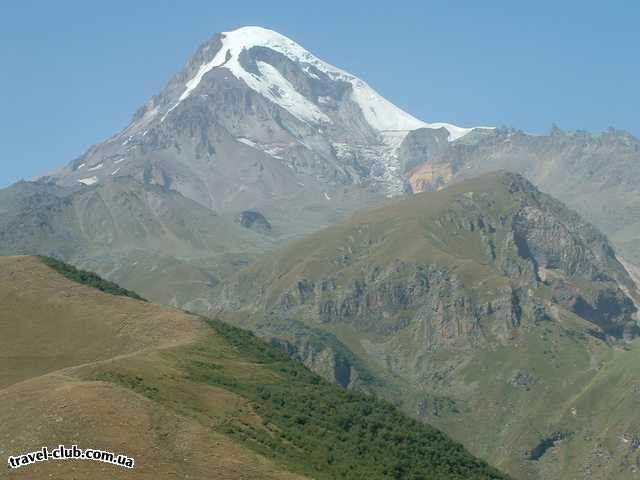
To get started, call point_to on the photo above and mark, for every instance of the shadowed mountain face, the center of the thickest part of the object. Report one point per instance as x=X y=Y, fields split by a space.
x=186 y=397
x=483 y=301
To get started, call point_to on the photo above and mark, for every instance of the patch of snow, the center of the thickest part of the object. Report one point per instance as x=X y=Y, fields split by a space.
x=380 y=113
x=326 y=195
x=145 y=133
x=119 y=161
x=632 y=270
x=308 y=71
x=634 y=274
x=248 y=142
x=97 y=167
x=382 y=159
x=276 y=88
x=115 y=171
x=82 y=165
x=273 y=150
x=455 y=132
x=89 y=181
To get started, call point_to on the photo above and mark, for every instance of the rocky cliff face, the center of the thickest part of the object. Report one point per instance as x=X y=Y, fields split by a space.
x=517 y=238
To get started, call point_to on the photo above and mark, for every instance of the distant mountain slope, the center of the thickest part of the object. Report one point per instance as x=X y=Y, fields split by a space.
x=487 y=308
x=172 y=248
x=185 y=397
x=596 y=174
x=254 y=122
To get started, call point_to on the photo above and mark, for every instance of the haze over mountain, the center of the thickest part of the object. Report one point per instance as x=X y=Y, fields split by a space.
x=465 y=301
x=254 y=122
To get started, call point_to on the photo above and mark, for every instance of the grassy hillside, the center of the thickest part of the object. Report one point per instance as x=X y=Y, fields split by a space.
x=186 y=397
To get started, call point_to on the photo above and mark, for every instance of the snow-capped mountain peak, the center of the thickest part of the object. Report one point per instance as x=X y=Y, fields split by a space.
x=380 y=114
x=252 y=95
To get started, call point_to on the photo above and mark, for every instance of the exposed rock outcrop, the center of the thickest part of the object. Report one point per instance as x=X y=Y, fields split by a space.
x=254 y=220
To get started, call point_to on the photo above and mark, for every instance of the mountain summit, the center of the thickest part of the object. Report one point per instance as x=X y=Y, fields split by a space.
x=255 y=93
x=379 y=113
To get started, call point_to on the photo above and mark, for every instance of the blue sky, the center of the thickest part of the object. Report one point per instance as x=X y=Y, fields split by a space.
x=73 y=72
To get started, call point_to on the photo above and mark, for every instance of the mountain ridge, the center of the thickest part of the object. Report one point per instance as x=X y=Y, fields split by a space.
x=483 y=301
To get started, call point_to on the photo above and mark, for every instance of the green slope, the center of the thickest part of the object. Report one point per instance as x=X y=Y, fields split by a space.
x=486 y=309
x=89 y=367
x=293 y=416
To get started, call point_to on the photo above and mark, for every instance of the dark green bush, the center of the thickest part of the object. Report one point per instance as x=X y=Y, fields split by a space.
x=88 y=278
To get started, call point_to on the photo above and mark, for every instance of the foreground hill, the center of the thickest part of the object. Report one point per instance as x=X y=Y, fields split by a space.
x=185 y=397
x=487 y=308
